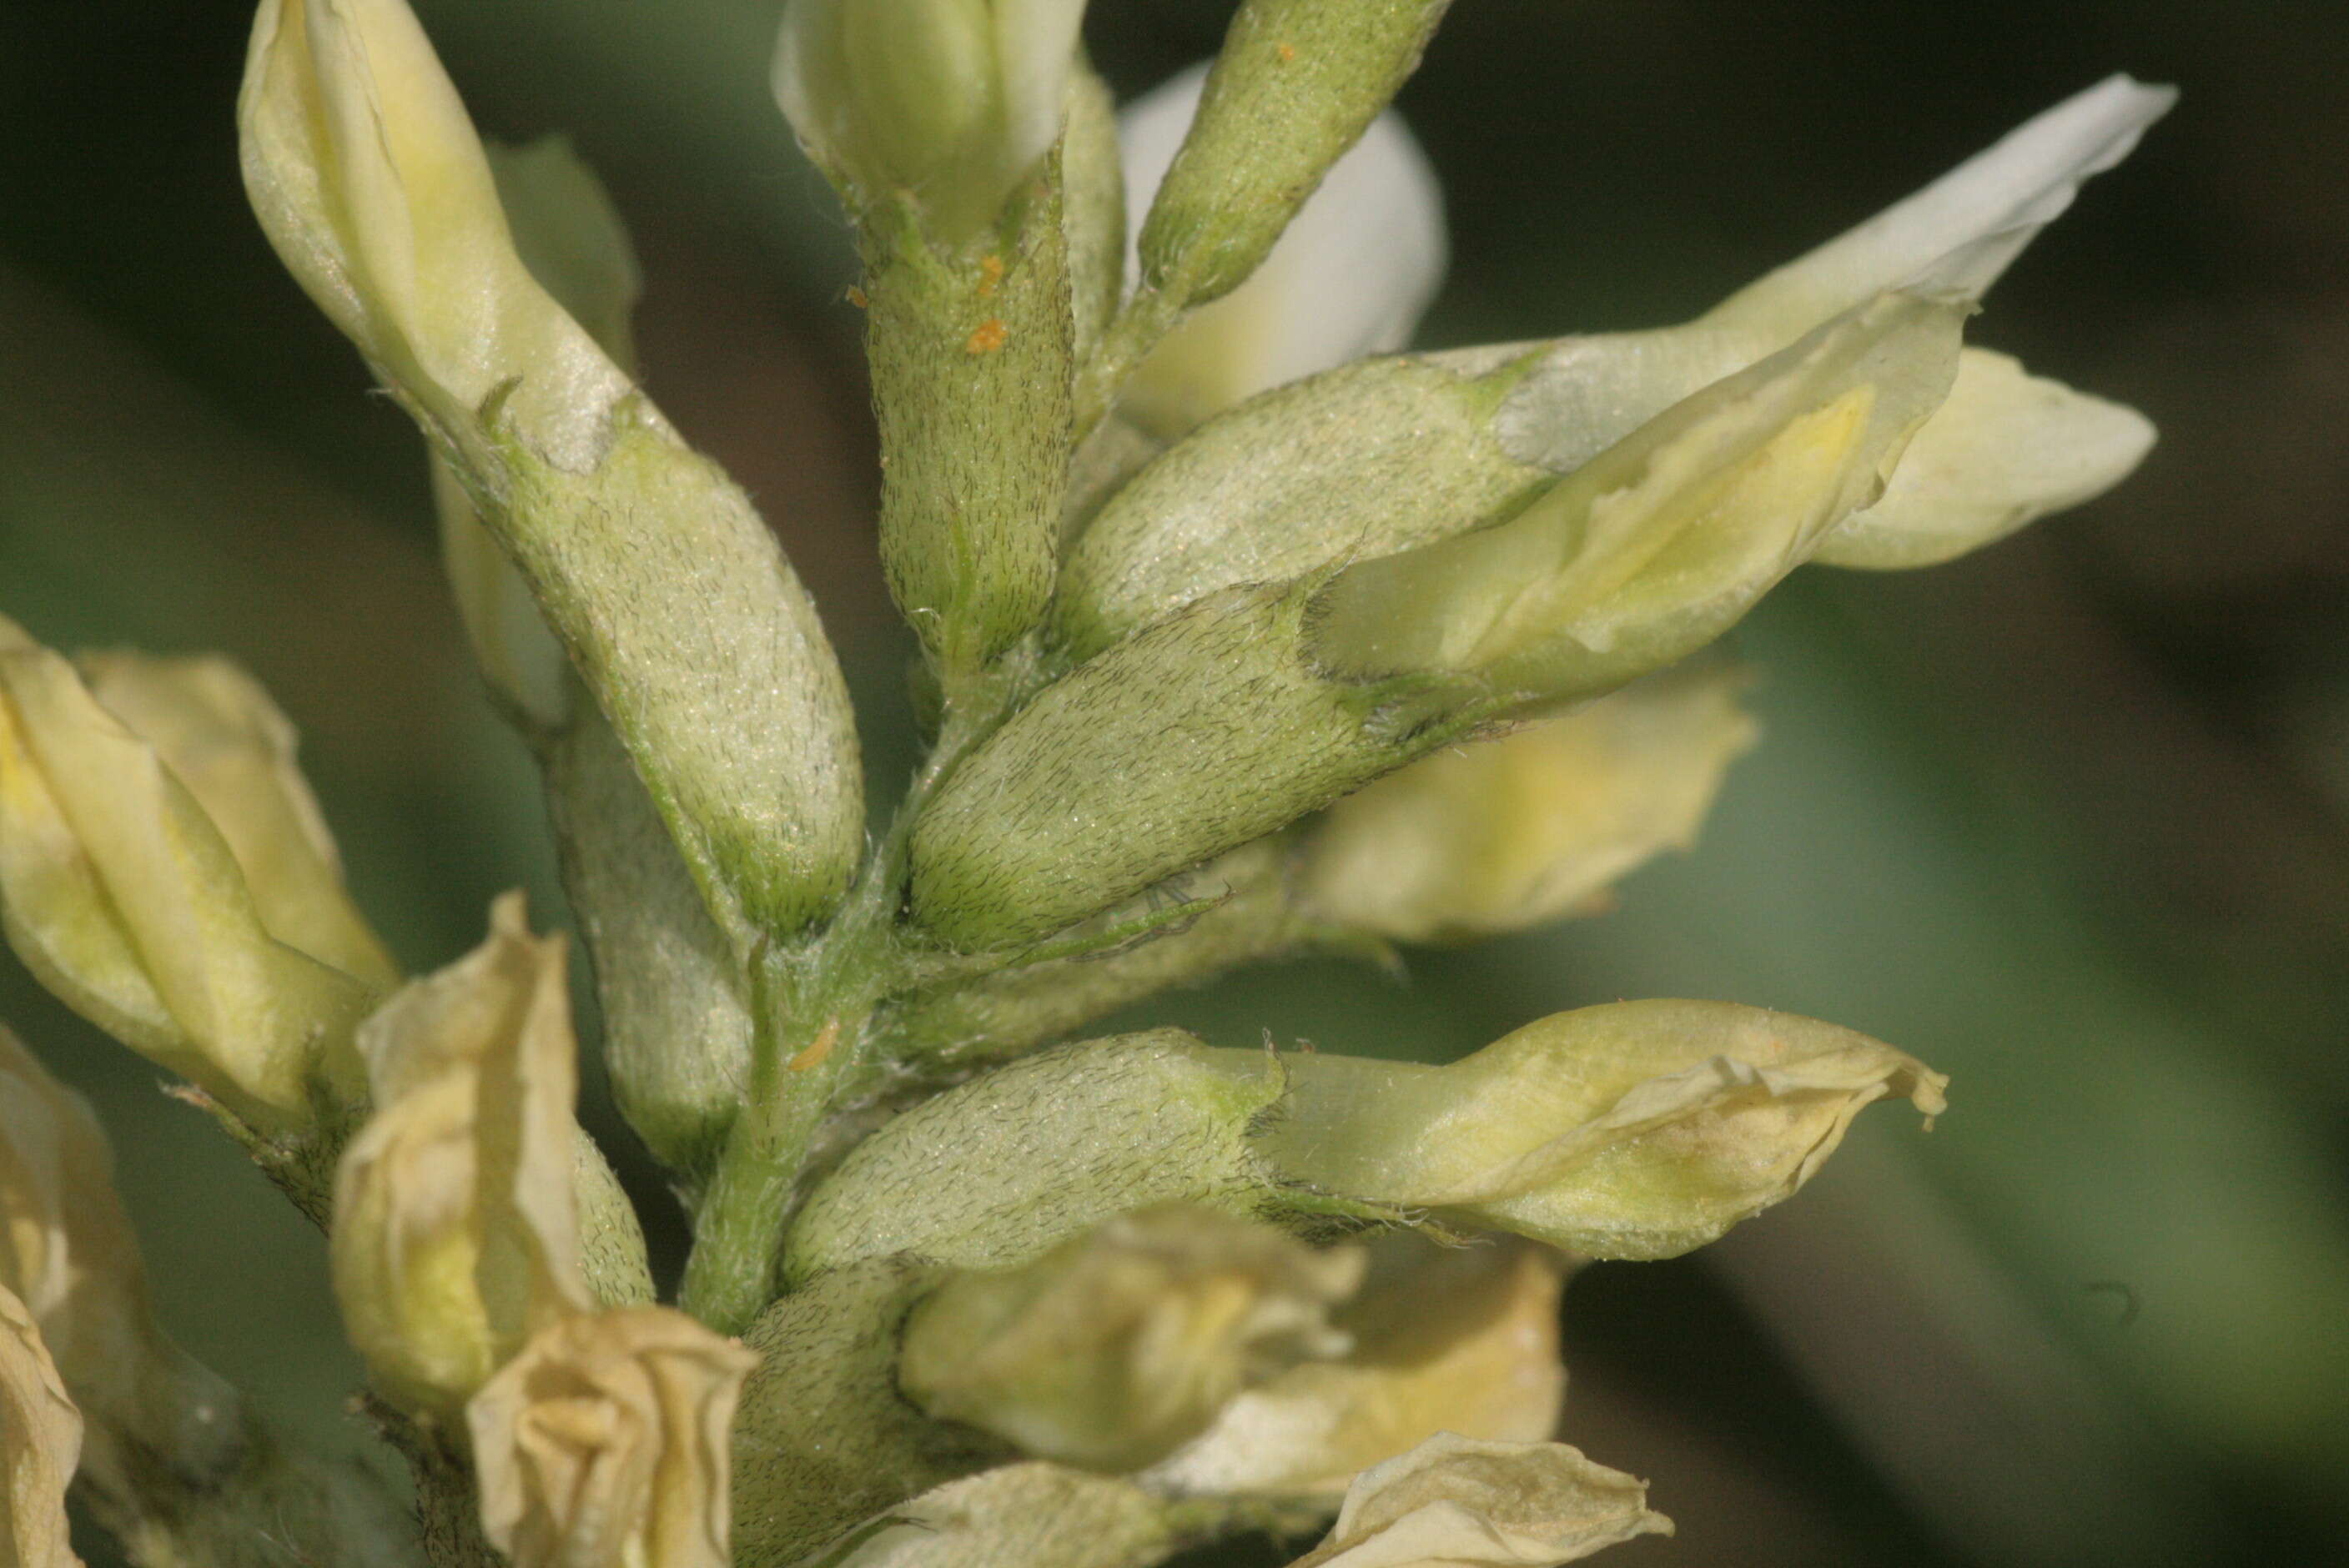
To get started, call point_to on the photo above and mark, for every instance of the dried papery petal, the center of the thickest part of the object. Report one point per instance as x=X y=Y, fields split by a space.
x=456 y=1232
x=1446 y=1340
x=1111 y=1350
x=40 y=1444
x=604 y=1443
x=67 y=1250
x=1456 y=1503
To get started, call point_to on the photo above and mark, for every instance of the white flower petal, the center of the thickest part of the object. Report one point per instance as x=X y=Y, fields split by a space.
x=2007 y=447
x=1988 y=208
x=1351 y=276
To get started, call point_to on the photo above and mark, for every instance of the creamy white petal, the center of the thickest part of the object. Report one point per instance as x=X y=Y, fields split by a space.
x=1991 y=206
x=2007 y=447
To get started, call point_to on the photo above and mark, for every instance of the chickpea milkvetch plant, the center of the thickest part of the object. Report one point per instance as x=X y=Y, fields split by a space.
x=1242 y=635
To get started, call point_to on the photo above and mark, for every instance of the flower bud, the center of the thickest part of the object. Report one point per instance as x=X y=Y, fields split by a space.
x=1636 y=1130
x=1001 y=1170
x=1295 y=86
x=675 y=1016
x=1499 y=835
x=221 y=737
x=571 y=238
x=669 y=591
x=1208 y=730
x=129 y=902
x=1114 y=1349
x=1639 y=1130
x=1657 y=546
x=1446 y=1339
x=1456 y=1503
x=604 y=1443
x=1348 y=276
x=1357 y=463
x=40 y=1444
x=1254 y=706
x=456 y=1236
x=953 y=100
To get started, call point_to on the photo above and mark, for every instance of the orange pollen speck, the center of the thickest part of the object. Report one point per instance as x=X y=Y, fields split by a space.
x=856 y=297
x=815 y=1055
x=1287 y=52
x=986 y=338
x=990 y=272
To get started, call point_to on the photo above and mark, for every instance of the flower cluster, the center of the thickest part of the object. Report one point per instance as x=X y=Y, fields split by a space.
x=1244 y=634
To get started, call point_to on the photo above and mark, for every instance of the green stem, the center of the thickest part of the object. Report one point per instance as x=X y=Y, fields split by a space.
x=810 y=1012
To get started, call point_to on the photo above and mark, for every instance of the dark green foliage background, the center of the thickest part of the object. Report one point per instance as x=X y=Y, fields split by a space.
x=2066 y=819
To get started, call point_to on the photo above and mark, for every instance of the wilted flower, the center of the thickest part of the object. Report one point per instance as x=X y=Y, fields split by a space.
x=1114 y=1349
x=456 y=1235
x=67 y=1250
x=177 y=934
x=1446 y=1339
x=1456 y=1503
x=603 y=1444
x=40 y=1444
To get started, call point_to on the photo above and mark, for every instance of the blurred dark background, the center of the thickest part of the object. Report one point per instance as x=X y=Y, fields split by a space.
x=2069 y=818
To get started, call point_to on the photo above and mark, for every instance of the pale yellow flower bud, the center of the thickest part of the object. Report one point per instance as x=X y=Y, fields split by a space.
x=456 y=1233
x=604 y=1444
x=40 y=1444
x=1494 y=837
x=221 y=737
x=1446 y=1340
x=1639 y=1129
x=129 y=902
x=1112 y=1349
x=1456 y=1503
x=952 y=100
x=367 y=173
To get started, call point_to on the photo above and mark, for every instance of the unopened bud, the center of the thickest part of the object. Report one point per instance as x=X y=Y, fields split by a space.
x=1494 y=836
x=1002 y=1170
x=1639 y=1129
x=1296 y=84
x=951 y=100
x=129 y=902
x=653 y=568
x=1456 y=1503
x=604 y=1443
x=221 y=737
x=1112 y=1349
x=1348 y=276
